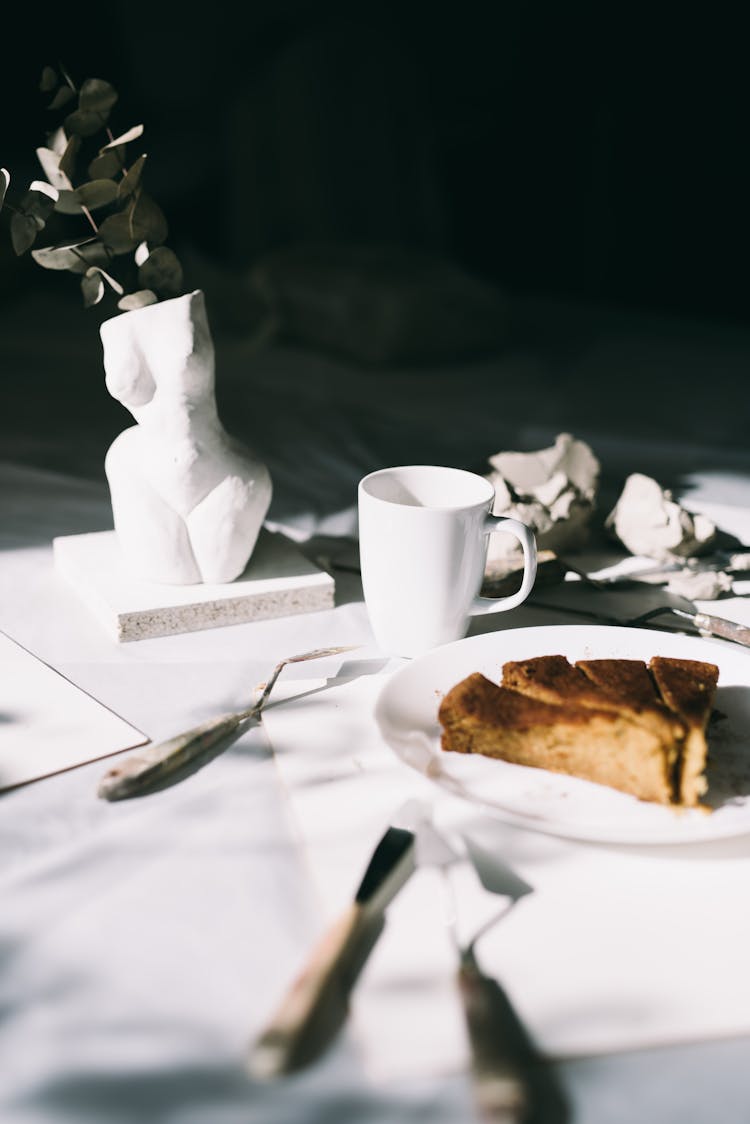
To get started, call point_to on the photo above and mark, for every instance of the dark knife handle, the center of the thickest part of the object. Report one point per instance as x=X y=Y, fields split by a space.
x=513 y=1082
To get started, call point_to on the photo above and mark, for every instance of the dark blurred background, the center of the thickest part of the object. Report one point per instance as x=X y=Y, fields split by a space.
x=536 y=206
x=593 y=151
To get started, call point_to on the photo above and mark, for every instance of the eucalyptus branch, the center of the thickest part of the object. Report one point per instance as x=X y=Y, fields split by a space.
x=90 y=218
x=128 y=225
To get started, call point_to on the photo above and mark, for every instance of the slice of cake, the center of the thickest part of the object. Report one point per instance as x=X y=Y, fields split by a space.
x=599 y=745
x=688 y=687
x=637 y=728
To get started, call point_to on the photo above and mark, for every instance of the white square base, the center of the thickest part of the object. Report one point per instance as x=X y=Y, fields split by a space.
x=278 y=582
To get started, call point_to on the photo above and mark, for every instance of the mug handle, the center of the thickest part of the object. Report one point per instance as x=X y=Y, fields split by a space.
x=483 y=605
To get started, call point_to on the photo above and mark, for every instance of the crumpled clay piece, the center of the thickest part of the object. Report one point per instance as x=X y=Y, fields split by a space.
x=648 y=521
x=700 y=585
x=553 y=491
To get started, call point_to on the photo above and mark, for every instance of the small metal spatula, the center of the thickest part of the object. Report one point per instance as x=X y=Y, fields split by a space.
x=513 y=1082
x=639 y=605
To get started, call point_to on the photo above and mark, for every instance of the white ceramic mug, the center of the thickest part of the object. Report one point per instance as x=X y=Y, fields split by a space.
x=423 y=533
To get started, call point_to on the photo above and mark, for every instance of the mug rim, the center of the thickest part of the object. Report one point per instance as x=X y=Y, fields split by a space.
x=465 y=472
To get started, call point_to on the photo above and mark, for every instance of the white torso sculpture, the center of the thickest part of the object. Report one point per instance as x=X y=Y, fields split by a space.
x=188 y=500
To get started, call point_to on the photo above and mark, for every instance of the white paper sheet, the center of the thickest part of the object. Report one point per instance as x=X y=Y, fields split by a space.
x=47 y=724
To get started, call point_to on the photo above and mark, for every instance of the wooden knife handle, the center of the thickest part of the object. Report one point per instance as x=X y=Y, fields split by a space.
x=154 y=763
x=317 y=1003
x=513 y=1082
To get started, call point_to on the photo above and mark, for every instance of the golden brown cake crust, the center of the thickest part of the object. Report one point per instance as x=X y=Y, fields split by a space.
x=628 y=681
x=552 y=679
x=634 y=727
x=478 y=698
x=615 y=684
x=687 y=686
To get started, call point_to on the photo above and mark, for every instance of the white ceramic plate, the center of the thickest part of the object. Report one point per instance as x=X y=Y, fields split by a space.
x=407 y=708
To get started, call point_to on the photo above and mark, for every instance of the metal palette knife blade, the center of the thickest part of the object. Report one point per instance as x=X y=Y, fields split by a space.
x=513 y=1082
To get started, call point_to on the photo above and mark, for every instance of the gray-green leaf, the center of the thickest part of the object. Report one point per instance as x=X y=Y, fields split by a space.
x=132 y=179
x=96 y=96
x=68 y=159
x=98 y=193
x=62 y=256
x=117 y=233
x=140 y=299
x=124 y=138
x=149 y=223
x=92 y=288
x=23 y=231
x=67 y=203
x=113 y=284
x=37 y=204
x=162 y=272
x=57 y=142
x=61 y=98
x=48 y=80
x=50 y=162
x=143 y=221
x=84 y=122
x=107 y=165
x=92 y=253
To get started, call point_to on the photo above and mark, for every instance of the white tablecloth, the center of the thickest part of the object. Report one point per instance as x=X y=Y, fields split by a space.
x=143 y=943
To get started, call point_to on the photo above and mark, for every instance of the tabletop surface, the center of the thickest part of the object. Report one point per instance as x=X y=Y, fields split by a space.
x=143 y=943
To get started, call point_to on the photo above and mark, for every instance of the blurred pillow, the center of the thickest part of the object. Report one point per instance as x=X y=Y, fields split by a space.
x=379 y=305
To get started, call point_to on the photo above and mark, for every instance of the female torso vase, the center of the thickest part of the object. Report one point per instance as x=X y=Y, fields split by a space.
x=188 y=500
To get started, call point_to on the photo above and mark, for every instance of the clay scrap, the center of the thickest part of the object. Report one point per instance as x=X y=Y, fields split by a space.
x=553 y=491
x=648 y=521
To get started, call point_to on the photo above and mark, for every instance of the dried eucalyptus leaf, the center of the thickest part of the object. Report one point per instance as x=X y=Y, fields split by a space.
x=96 y=96
x=91 y=253
x=67 y=203
x=117 y=233
x=107 y=165
x=50 y=162
x=52 y=257
x=44 y=188
x=148 y=221
x=132 y=179
x=143 y=221
x=113 y=284
x=92 y=288
x=140 y=299
x=57 y=141
x=124 y=138
x=61 y=256
x=4 y=184
x=84 y=122
x=98 y=193
x=61 y=98
x=162 y=272
x=23 y=232
x=48 y=80
x=68 y=159
x=38 y=204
